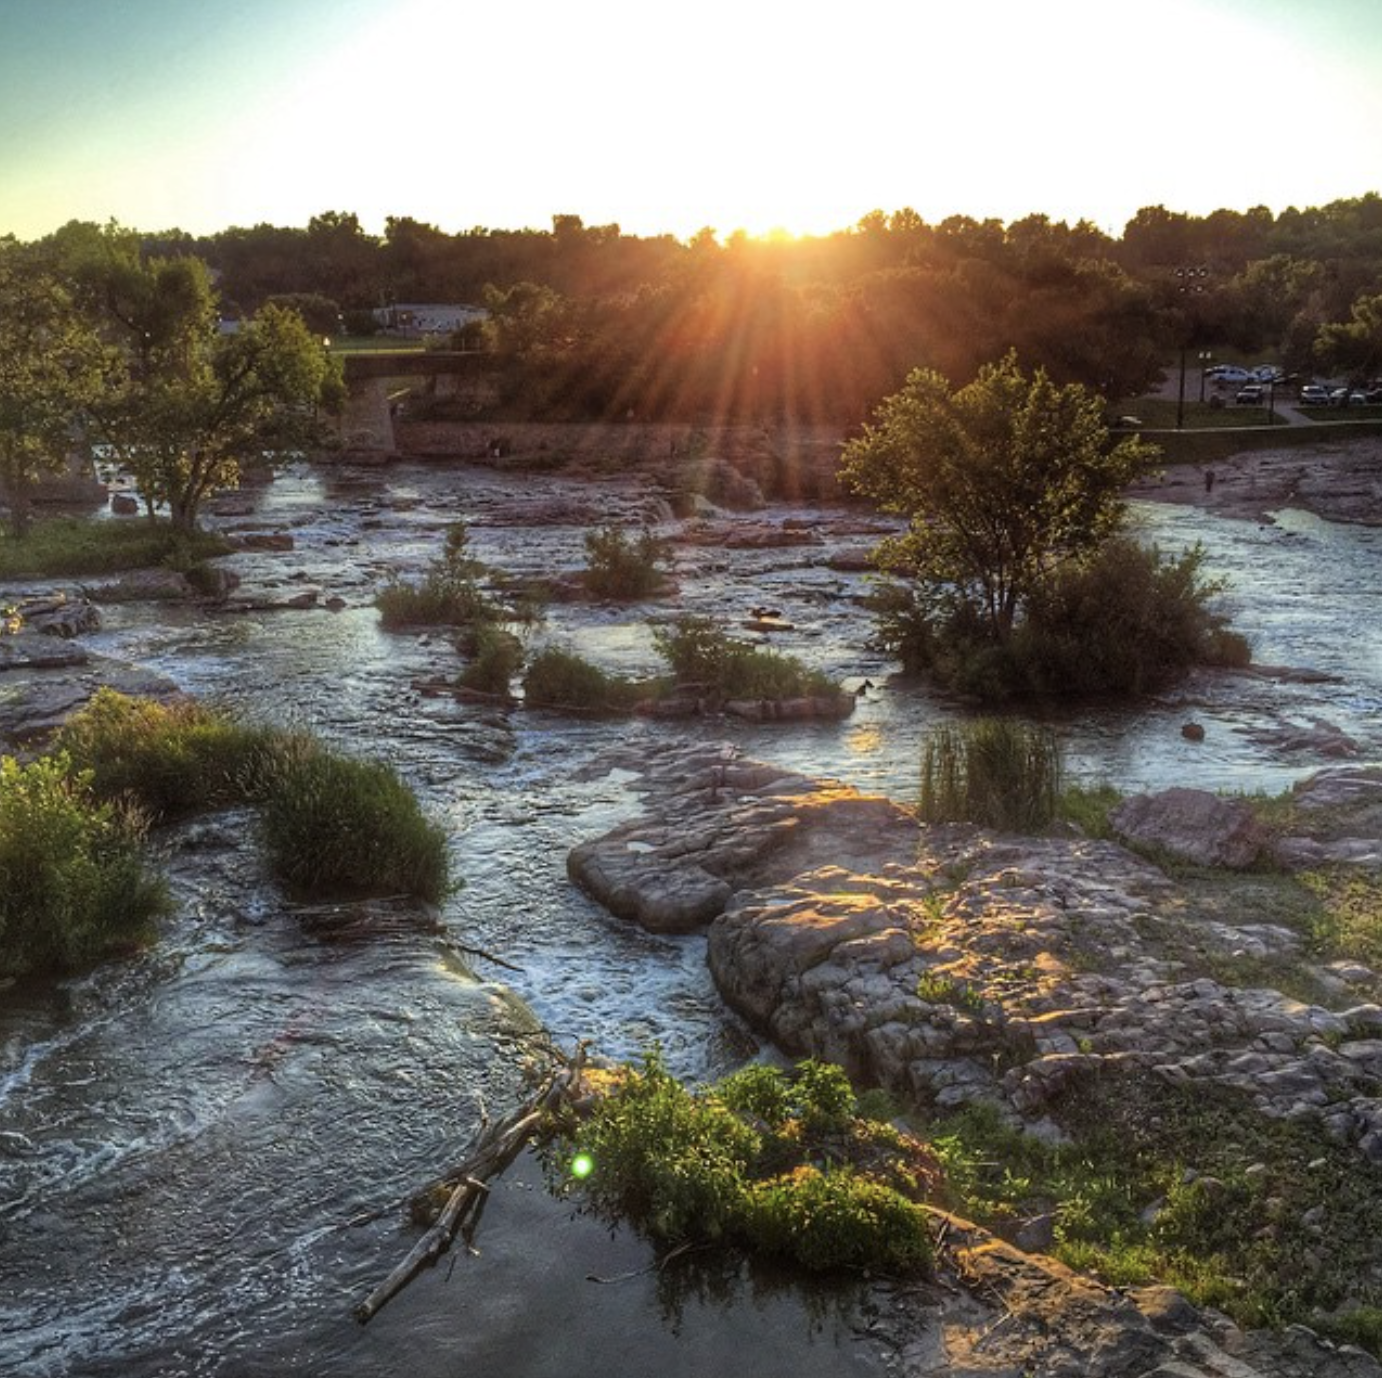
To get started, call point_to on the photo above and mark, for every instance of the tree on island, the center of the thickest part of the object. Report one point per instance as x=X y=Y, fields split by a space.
x=1012 y=488
x=50 y=372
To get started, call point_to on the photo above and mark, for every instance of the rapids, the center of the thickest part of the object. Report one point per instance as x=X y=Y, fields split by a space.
x=186 y=1137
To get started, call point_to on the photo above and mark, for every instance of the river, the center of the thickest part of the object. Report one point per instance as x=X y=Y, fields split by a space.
x=186 y=1137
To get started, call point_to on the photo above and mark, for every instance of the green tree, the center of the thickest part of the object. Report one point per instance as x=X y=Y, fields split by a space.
x=1001 y=481
x=194 y=405
x=1354 y=346
x=528 y=321
x=50 y=372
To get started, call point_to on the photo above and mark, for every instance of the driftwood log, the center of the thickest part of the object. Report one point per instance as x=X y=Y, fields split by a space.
x=467 y=1184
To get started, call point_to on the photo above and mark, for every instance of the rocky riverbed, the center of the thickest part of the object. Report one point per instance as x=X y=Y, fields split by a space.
x=1339 y=482
x=771 y=887
x=950 y=965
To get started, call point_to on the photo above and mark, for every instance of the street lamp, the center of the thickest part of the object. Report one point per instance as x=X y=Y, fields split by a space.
x=1190 y=282
x=1205 y=358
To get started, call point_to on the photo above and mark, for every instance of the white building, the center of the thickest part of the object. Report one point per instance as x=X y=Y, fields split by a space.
x=415 y=319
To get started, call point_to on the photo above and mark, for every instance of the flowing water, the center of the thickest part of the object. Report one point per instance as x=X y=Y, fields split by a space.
x=202 y=1149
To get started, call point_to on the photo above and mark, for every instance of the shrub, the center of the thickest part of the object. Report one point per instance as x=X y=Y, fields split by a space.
x=560 y=679
x=672 y=1163
x=622 y=568
x=826 y=1221
x=73 y=885
x=1124 y=621
x=449 y=594
x=496 y=657
x=997 y=772
x=334 y=826
x=736 y=1163
x=170 y=759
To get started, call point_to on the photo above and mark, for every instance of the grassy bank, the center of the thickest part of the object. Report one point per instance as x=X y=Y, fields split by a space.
x=80 y=546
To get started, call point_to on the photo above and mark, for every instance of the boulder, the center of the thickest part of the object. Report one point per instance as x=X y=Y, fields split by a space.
x=1192 y=825
x=142 y=586
x=40 y=698
x=1319 y=738
x=265 y=540
x=808 y=708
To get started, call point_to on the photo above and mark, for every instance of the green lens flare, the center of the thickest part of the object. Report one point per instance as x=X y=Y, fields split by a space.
x=582 y=1165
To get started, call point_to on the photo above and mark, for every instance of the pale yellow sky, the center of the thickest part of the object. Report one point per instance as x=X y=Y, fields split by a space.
x=758 y=114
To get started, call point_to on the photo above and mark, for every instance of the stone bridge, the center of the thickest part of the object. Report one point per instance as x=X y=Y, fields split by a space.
x=373 y=381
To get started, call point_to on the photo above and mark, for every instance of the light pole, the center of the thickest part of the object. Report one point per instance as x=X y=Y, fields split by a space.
x=1190 y=282
x=1205 y=359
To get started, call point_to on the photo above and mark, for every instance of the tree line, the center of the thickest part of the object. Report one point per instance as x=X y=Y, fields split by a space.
x=119 y=328
x=588 y=321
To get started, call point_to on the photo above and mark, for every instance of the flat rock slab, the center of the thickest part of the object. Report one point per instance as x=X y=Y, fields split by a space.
x=950 y=965
x=720 y=825
x=35 y=701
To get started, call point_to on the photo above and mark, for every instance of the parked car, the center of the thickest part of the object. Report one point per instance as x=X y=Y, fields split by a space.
x=1313 y=395
x=1373 y=396
x=1268 y=373
x=1230 y=373
x=1250 y=396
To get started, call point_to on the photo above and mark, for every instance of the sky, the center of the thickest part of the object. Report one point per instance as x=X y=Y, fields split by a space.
x=664 y=116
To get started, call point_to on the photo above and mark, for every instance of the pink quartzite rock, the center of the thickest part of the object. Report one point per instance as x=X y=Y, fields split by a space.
x=1192 y=825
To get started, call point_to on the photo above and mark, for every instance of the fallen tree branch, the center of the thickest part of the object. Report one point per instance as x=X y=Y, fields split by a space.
x=467 y=1184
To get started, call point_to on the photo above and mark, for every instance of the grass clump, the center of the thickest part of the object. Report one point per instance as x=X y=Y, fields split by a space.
x=1089 y=808
x=622 y=568
x=338 y=827
x=73 y=883
x=74 y=545
x=1346 y=916
x=775 y=1163
x=556 y=678
x=998 y=772
x=496 y=656
x=700 y=654
x=699 y=651
x=170 y=759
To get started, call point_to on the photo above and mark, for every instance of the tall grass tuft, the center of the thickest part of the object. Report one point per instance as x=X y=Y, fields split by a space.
x=338 y=827
x=998 y=772
x=73 y=883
